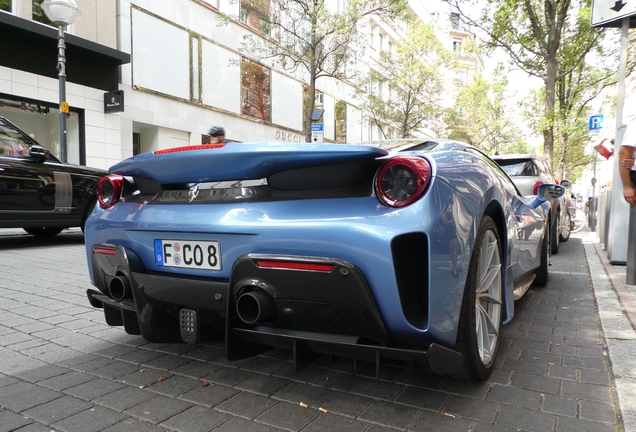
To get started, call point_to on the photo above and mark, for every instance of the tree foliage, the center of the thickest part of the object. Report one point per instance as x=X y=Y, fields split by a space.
x=548 y=39
x=320 y=38
x=413 y=74
x=482 y=117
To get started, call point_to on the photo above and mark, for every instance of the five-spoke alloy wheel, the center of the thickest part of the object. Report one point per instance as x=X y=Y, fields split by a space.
x=481 y=315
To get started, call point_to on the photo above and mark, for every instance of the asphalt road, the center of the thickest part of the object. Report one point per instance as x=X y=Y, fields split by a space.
x=63 y=369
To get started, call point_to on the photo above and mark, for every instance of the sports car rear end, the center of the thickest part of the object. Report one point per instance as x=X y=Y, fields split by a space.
x=327 y=249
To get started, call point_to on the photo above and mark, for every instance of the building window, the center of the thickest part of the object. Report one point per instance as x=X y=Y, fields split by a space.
x=213 y=3
x=255 y=90
x=372 y=37
x=5 y=5
x=462 y=77
x=255 y=13
x=38 y=13
x=41 y=121
x=136 y=143
x=341 y=121
x=195 y=85
x=457 y=47
x=454 y=16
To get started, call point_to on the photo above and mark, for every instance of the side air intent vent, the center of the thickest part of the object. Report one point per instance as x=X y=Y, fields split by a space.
x=410 y=260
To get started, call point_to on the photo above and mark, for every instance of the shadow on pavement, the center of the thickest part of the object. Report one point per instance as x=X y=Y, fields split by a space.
x=29 y=241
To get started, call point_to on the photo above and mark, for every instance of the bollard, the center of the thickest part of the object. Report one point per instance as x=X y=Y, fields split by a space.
x=630 y=278
x=591 y=220
x=608 y=207
x=600 y=217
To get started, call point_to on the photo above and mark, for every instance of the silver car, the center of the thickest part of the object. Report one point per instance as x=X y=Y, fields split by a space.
x=528 y=172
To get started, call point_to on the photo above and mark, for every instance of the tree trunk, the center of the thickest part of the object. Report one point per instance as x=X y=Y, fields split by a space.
x=550 y=93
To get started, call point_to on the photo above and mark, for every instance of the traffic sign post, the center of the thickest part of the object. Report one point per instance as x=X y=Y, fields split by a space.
x=317 y=133
x=610 y=13
x=596 y=122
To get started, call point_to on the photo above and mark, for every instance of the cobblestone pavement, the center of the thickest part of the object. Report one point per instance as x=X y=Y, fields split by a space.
x=63 y=369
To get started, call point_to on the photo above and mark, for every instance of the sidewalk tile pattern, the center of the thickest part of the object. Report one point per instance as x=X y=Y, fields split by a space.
x=565 y=364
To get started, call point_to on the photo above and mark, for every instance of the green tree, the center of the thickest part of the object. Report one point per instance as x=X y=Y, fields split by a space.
x=413 y=73
x=317 y=38
x=481 y=117
x=537 y=36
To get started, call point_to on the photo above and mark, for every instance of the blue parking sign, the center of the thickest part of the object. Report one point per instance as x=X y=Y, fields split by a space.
x=596 y=122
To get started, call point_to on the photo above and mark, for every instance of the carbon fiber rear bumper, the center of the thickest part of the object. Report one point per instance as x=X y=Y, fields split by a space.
x=328 y=311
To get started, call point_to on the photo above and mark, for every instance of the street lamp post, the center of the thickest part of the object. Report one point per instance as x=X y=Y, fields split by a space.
x=63 y=13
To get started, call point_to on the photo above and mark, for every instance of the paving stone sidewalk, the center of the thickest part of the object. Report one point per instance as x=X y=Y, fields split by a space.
x=63 y=369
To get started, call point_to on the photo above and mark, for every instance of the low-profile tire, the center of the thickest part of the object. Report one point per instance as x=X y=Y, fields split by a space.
x=543 y=272
x=43 y=231
x=482 y=310
x=554 y=235
x=564 y=235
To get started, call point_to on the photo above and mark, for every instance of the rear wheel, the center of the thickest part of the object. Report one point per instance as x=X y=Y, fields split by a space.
x=43 y=231
x=554 y=234
x=566 y=229
x=542 y=272
x=480 y=320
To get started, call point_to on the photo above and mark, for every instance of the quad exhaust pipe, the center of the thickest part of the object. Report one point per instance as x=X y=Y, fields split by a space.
x=256 y=306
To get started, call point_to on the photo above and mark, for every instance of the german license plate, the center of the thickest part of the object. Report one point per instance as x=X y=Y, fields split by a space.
x=204 y=255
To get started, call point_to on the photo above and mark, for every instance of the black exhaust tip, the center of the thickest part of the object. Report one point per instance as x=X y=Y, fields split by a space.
x=256 y=306
x=119 y=287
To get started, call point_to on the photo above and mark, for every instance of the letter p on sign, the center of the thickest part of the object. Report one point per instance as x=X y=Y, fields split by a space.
x=596 y=122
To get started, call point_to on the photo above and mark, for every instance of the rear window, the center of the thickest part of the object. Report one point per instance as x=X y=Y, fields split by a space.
x=517 y=167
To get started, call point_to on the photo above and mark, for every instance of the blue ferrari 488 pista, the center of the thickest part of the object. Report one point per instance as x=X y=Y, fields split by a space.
x=408 y=250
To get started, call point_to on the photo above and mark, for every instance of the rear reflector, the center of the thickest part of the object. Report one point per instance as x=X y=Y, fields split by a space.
x=291 y=265
x=105 y=251
x=188 y=148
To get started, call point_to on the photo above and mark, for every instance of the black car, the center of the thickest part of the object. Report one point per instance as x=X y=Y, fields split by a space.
x=38 y=192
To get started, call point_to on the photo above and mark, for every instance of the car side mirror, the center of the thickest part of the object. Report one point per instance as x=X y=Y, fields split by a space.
x=547 y=192
x=39 y=153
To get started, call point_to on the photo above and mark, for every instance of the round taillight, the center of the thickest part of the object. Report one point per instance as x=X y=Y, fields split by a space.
x=109 y=190
x=535 y=187
x=402 y=180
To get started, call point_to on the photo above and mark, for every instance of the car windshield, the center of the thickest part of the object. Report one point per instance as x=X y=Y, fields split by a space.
x=516 y=167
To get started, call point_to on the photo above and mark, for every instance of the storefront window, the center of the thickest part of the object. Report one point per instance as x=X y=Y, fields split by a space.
x=42 y=123
x=255 y=90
